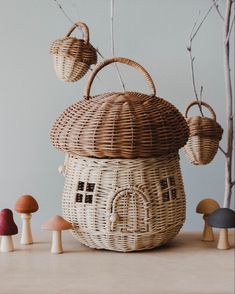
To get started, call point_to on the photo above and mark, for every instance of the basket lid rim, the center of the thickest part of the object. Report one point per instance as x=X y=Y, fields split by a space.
x=120 y=97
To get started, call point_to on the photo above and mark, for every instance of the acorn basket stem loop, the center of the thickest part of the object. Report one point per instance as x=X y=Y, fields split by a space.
x=120 y=60
x=84 y=29
x=201 y=103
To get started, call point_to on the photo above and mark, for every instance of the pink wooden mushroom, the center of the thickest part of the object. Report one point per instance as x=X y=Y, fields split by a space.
x=56 y=224
x=8 y=228
x=26 y=205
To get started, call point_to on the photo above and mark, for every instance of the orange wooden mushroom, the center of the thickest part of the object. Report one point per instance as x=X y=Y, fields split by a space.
x=56 y=224
x=25 y=205
x=206 y=207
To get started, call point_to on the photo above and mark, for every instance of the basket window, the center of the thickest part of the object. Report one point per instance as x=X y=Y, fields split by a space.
x=168 y=188
x=79 y=197
x=165 y=196
x=90 y=187
x=164 y=183
x=172 y=181
x=80 y=186
x=173 y=193
x=88 y=198
x=84 y=192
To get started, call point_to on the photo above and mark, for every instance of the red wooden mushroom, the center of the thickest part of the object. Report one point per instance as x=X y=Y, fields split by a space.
x=26 y=205
x=56 y=224
x=8 y=228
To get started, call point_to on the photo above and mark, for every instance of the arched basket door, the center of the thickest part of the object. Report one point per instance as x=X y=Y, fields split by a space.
x=129 y=211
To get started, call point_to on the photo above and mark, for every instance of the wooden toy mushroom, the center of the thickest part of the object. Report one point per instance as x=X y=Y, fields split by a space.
x=206 y=207
x=223 y=218
x=8 y=228
x=56 y=224
x=26 y=205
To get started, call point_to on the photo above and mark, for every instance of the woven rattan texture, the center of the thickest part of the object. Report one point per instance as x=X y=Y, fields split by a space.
x=120 y=125
x=73 y=57
x=204 y=136
x=129 y=208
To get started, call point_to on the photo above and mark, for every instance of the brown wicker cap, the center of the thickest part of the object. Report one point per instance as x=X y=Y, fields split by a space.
x=120 y=125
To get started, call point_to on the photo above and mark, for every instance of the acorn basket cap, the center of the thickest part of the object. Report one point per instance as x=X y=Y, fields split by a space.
x=73 y=57
x=204 y=136
x=120 y=125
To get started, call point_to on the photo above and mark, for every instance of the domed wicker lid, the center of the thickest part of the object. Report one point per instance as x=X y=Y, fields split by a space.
x=120 y=125
x=203 y=126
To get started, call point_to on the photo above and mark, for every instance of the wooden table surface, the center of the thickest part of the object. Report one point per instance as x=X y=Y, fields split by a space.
x=187 y=265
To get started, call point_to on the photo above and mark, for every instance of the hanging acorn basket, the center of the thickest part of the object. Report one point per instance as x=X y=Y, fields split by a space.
x=73 y=57
x=204 y=136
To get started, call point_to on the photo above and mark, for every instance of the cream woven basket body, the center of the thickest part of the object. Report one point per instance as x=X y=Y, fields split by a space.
x=123 y=185
x=122 y=204
x=204 y=136
x=73 y=57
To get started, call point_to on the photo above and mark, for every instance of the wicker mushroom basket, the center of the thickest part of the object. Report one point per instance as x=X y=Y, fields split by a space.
x=73 y=57
x=204 y=137
x=123 y=185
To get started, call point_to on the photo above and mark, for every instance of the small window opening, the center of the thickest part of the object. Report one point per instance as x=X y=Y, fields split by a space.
x=169 y=191
x=84 y=192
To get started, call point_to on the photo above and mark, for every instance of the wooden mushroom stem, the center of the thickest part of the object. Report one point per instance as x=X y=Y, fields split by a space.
x=56 y=246
x=208 y=235
x=223 y=242
x=26 y=236
x=7 y=244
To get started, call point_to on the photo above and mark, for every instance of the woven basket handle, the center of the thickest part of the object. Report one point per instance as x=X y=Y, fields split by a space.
x=84 y=29
x=195 y=102
x=121 y=60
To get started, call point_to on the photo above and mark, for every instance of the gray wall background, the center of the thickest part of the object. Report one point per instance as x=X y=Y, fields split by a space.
x=155 y=33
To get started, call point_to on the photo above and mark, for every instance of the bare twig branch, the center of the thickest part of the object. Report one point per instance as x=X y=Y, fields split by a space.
x=217 y=9
x=98 y=52
x=229 y=105
x=112 y=43
x=193 y=77
x=230 y=29
x=233 y=183
x=63 y=11
x=201 y=90
x=193 y=34
x=222 y=150
x=204 y=18
x=195 y=24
